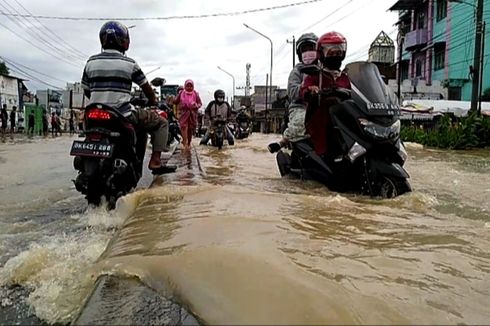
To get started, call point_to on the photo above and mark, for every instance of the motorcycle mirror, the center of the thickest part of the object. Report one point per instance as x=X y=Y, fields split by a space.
x=158 y=81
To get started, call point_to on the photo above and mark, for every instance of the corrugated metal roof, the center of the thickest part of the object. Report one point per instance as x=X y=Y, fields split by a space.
x=406 y=5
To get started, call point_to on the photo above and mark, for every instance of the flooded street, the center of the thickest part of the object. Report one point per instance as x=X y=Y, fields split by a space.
x=238 y=244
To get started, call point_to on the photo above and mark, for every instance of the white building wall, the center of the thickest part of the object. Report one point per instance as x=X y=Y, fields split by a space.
x=9 y=91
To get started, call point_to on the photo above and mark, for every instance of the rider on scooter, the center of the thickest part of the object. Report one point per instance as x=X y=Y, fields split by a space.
x=113 y=87
x=217 y=109
x=331 y=48
x=295 y=131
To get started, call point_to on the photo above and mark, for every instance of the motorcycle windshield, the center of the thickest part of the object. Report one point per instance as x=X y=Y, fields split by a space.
x=370 y=91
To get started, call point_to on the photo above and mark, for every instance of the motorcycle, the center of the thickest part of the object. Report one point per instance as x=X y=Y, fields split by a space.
x=173 y=124
x=109 y=160
x=217 y=133
x=367 y=155
x=232 y=128
x=244 y=126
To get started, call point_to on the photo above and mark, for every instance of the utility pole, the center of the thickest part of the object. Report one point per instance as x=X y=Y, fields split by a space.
x=266 y=128
x=401 y=38
x=294 y=50
x=482 y=56
x=475 y=87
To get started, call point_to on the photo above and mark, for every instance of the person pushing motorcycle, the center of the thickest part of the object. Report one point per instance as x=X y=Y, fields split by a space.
x=107 y=79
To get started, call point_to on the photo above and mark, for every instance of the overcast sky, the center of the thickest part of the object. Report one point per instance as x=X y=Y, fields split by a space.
x=184 y=48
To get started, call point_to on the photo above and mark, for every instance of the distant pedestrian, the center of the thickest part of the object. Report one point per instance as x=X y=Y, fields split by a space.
x=189 y=103
x=54 y=125
x=12 y=122
x=80 y=121
x=58 y=124
x=45 y=124
x=30 y=124
x=72 y=125
x=4 y=117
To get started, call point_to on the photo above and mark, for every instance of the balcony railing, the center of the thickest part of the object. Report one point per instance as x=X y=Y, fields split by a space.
x=415 y=39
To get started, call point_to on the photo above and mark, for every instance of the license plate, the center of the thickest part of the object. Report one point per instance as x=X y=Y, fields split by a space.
x=383 y=109
x=85 y=148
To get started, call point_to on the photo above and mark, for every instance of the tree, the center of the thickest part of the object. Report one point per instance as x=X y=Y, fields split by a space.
x=4 y=70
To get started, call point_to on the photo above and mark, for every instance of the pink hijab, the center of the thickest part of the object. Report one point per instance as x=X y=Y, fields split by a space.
x=188 y=98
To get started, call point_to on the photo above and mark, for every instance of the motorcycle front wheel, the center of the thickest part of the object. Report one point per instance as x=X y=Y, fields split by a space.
x=391 y=187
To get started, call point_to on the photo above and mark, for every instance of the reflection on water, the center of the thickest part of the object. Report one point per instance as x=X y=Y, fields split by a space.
x=238 y=244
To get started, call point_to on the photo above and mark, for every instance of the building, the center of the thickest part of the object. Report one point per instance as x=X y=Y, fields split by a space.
x=382 y=54
x=437 y=39
x=73 y=97
x=11 y=91
x=258 y=104
x=51 y=100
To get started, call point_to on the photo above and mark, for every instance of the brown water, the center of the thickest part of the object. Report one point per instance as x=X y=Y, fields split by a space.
x=240 y=245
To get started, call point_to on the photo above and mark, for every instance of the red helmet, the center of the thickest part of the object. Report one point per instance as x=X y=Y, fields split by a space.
x=331 y=44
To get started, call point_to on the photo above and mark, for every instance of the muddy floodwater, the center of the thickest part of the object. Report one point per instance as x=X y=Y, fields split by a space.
x=235 y=243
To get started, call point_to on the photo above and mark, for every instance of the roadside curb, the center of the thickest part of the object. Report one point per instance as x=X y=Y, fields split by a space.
x=127 y=301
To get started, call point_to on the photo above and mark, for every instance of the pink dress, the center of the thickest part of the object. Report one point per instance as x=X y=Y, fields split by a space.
x=189 y=102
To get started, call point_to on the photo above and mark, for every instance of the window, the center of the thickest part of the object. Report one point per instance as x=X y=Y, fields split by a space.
x=454 y=93
x=420 y=20
x=441 y=12
x=439 y=56
x=419 y=68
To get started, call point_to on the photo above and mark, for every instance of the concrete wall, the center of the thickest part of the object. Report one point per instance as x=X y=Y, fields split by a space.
x=9 y=91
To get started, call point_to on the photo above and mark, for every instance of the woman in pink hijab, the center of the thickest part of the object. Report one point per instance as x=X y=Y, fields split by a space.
x=189 y=102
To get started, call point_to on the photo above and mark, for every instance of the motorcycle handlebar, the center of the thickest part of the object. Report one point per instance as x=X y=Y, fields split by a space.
x=342 y=93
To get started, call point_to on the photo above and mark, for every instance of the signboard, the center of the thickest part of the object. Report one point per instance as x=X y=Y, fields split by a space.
x=167 y=90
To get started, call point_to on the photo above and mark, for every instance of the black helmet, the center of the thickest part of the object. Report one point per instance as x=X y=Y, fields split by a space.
x=305 y=38
x=114 y=35
x=219 y=93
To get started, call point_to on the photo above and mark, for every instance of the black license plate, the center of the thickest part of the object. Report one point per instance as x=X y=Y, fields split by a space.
x=85 y=148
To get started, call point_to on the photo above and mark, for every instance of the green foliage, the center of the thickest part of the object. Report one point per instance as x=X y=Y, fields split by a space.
x=472 y=131
x=4 y=70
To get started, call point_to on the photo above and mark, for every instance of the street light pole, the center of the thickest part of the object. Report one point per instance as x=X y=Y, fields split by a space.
x=270 y=73
x=475 y=90
x=294 y=49
x=233 y=92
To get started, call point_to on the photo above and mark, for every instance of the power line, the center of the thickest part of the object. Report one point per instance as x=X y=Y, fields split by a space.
x=67 y=45
x=10 y=61
x=36 y=46
x=37 y=36
x=21 y=71
x=234 y=13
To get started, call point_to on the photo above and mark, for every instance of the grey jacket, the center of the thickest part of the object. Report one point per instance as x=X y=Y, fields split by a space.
x=297 y=109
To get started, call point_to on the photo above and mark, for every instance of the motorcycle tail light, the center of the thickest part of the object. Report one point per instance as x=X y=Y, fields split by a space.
x=98 y=114
x=94 y=137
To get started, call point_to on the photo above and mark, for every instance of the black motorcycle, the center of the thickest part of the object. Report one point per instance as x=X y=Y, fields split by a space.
x=367 y=155
x=244 y=125
x=217 y=133
x=110 y=158
x=174 y=133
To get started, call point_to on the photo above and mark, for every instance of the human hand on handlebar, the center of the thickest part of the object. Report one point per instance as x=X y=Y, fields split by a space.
x=313 y=89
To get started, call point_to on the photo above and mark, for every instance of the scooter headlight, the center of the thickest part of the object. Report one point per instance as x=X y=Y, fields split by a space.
x=355 y=151
x=380 y=132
